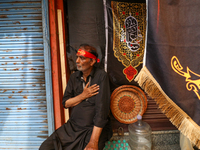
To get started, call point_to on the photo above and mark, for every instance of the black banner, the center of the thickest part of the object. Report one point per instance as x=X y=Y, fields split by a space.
x=125 y=31
x=171 y=74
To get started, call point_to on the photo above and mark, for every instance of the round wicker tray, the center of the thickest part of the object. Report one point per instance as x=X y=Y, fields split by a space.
x=127 y=102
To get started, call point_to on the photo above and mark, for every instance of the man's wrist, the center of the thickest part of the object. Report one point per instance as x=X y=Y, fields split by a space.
x=94 y=140
x=82 y=96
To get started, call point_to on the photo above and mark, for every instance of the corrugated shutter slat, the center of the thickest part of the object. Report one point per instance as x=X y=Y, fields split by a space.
x=23 y=106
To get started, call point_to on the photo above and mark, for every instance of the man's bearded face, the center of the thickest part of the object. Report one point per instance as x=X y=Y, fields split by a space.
x=83 y=63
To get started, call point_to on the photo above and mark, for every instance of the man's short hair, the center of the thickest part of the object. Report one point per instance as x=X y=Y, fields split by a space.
x=90 y=49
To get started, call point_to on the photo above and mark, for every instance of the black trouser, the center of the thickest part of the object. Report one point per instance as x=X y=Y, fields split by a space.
x=53 y=142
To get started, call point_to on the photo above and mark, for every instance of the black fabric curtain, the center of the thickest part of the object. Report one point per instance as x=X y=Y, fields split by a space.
x=85 y=20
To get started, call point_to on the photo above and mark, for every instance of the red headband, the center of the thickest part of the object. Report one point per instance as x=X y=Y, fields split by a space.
x=87 y=54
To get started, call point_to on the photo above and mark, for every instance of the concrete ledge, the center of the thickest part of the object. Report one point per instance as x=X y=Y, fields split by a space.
x=165 y=140
x=161 y=140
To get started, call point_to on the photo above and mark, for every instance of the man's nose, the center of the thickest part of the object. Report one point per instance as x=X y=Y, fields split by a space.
x=77 y=59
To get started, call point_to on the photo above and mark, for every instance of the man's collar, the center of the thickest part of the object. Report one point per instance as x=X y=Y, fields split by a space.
x=93 y=71
x=80 y=73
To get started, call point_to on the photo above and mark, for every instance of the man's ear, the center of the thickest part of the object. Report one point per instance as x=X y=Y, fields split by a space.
x=93 y=62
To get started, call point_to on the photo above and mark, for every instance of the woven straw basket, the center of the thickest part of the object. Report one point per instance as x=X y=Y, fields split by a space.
x=127 y=102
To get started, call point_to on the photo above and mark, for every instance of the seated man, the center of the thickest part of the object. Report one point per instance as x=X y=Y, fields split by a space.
x=88 y=94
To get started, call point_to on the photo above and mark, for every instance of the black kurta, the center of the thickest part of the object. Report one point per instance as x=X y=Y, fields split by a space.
x=75 y=134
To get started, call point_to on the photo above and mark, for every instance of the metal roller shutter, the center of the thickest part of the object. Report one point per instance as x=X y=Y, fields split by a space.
x=25 y=86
